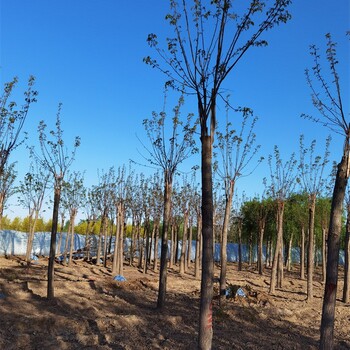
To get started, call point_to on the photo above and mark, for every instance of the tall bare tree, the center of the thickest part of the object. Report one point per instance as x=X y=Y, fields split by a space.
x=168 y=150
x=237 y=150
x=31 y=196
x=282 y=184
x=210 y=38
x=104 y=191
x=312 y=179
x=56 y=158
x=327 y=99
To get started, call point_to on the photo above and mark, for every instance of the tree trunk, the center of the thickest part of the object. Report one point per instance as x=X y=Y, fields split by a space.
x=183 y=246
x=30 y=239
x=115 y=262
x=156 y=237
x=280 y=211
x=223 y=248
x=189 y=245
x=335 y=225
x=198 y=247
x=164 y=242
x=346 y=290
x=205 y=317
x=147 y=245
x=280 y=267
x=239 y=245
x=324 y=254
x=105 y=236
x=121 y=242
x=176 y=244
x=311 y=252
x=132 y=243
x=50 y=271
x=302 y=253
x=71 y=248
x=99 y=243
x=172 y=247
x=260 y=248
x=289 y=259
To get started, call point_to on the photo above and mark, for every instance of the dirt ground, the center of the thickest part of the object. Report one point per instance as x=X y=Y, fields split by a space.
x=93 y=311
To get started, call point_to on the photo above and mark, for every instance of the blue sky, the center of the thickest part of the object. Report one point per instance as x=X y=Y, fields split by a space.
x=88 y=55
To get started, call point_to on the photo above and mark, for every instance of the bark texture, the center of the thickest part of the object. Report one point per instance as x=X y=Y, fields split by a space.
x=335 y=224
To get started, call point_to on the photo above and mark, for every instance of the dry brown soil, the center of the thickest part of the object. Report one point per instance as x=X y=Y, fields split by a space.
x=92 y=311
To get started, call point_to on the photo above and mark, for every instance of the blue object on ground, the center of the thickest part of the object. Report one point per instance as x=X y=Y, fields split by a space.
x=34 y=257
x=240 y=293
x=119 y=278
x=2 y=296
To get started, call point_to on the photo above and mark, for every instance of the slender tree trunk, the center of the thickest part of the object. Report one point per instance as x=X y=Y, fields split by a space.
x=324 y=253
x=239 y=244
x=346 y=290
x=189 y=249
x=176 y=244
x=205 y=318
x=223 y=248
x=289 y=259
x=198 y=247
x=71 y=248
x=115 y=261
x=262 y=223
x=183 y=246
x=132 y=243
x=141 y=243
x=30 y=239
x=50 y=271
x=99 y=243
x=335 y=224
x=164 y=242
x=66 y=244
x=121 y=242
x=280 y=267
x=172 y=247
x=311 y=252
x=105 y=237
x=147 y=245
x=302 y=253
x=156 y=237
x=280 y=211
x=268 y=253
x=250 y=262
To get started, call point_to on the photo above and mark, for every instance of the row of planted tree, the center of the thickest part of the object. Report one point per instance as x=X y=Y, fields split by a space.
x=137 y=215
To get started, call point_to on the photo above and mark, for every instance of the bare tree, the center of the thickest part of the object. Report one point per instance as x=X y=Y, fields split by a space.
x=282 y=184
x=103 y=192
x=32 y=193
x=311 y=171
x=209 y=40
x=57 y=160
x=119 y=196
x=237 y=150
x=168 y=154
x=328 y=101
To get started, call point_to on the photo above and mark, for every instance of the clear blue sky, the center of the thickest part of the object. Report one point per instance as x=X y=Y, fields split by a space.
x=88 y=55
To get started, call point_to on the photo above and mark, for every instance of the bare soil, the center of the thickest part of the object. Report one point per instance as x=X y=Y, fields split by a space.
x=93 y=311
